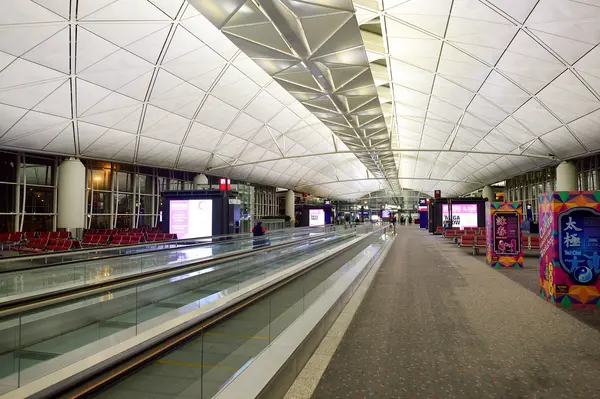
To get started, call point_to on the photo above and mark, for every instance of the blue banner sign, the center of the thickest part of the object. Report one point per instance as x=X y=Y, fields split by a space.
x=579 y=243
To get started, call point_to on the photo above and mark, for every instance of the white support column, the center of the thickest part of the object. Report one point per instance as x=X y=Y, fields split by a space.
x=488 y=193
x=289 y=205
x=200 y=181
x=71 y=195
x=566 y=177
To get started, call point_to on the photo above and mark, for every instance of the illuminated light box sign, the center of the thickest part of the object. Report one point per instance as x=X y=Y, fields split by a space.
x=423 y=202
x=570 y=248
x=386 y=213
x=503 y=234
x=506 y=233
x=316 y=217
x=579 y=244
x=190 y=218
x=463 y=215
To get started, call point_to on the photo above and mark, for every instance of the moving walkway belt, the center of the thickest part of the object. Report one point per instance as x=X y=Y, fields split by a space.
x=112 y=377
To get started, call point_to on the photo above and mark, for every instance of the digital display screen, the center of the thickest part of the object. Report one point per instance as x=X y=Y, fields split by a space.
x=463 y=215
x=316 y=217
x=386 y=213
x=190 y=218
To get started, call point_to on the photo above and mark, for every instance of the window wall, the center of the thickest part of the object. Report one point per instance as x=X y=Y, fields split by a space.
x=129 y=196
x=27 y=192
x=530 y=186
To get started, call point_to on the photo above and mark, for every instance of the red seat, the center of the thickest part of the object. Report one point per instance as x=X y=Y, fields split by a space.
x=439 y=230
x=87 y=239
x=34 y=245
x=467 y=241
x=56 y=245
x=151 y=237
x=44 y=234
x=525 y=242
x=135 y=239
x=534 y=242
x=29 y=234
x=450 y=234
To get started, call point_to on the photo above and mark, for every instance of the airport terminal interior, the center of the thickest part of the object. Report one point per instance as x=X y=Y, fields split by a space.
x=299 y=199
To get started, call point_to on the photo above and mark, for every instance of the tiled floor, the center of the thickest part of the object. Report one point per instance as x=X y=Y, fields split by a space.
x=438 y=323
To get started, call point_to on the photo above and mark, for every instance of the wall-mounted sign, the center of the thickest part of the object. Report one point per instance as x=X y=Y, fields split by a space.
x=437 y=194
x=235 y=201
x=506 y=233
x=423 y=202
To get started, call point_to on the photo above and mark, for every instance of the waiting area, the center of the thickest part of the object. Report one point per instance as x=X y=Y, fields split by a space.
x=61 y=241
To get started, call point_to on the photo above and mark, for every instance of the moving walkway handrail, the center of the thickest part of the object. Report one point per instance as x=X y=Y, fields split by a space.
x=180 y=241
x=36 y=301
x=135 y=360
x=234 y=237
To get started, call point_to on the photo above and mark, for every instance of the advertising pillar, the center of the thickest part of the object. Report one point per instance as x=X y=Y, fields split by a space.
x=503 y=238
x=570 y=248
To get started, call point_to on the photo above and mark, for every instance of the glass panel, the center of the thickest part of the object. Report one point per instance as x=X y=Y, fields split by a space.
x=124 y=203
x=7 y=223
x=125 y=181
x=7 y=198
x=37 y=223
x=37 y=174
x=124 y=221
x=100 y=203
x=8 y=167
x=145 y=184
x=146 y=220
x=100 y=222
x=100 y=178
x=174 y=185
x=39 y=199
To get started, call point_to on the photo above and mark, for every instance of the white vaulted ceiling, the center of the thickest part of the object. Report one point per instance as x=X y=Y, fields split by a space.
x=152 y=82
x=472 y=91
x=500 y=77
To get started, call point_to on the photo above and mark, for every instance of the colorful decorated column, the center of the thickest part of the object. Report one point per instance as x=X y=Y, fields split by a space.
x=503 y=225
x=570 y=248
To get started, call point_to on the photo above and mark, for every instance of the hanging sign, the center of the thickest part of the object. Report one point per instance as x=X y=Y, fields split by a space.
x=224 y=184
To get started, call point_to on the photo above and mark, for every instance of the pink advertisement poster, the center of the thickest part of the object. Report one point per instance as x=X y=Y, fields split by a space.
x=463 y=215
x=190 y=218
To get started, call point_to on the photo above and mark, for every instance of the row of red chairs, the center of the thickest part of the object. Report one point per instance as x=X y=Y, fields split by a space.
x=61 y=244
x=13 y=239
x=44 y=244
x=122 y=230
x=126 y=240
x=25 y=235
x=96 y=240
x=476 y=242
x=152 y=237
